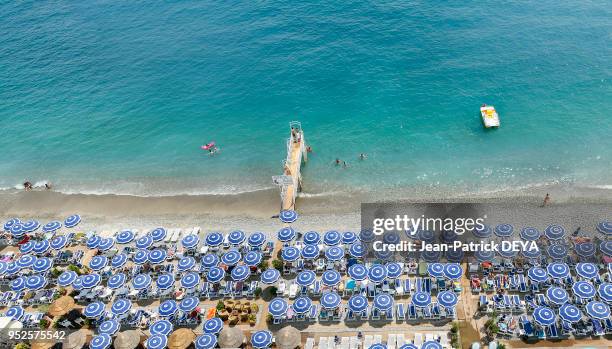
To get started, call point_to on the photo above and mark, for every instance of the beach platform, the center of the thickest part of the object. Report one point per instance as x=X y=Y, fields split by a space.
x=290 y=181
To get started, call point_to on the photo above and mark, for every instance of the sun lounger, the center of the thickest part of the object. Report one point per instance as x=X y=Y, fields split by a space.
x=401 y=312
x=391 y=341
x=354 y=343
x=313 y=314
x=418 y=339
x=368 y=341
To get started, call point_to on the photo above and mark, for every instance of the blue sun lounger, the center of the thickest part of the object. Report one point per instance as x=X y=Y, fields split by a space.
x=412 y=313
x=597 y=328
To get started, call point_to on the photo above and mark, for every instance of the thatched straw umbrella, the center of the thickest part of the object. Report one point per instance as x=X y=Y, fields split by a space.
x=61 y=306
x=76 y=340
x=181 y=338
x=288 y=338
x=230 y=337
x=128 y=339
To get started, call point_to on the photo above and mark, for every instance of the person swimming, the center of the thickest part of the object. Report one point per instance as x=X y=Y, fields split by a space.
x=362 y=156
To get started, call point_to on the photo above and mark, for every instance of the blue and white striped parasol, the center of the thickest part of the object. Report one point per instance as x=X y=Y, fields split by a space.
x=377 y=273
x=161 y=327
x=449 y=236
x=530 y=234
x=605 y=227
x=261 y=339
x=17 y=230
x=215 y=275
x=90 y=280
x=331 y=278
x=435 y=270
x=606 y=248
x=189 y=303
x=97 y=263
x=51 y=226
x=77 y=284
x=241 y=273
x=357 y=250
x=311 y=238
x=141 y=281
x=358 y=303
x=26 y=261
x=447 y=299
x=585 y=249
x=30 y=226
x=290 y=254
x=94 y=309
x=41 y=246
x=408 y=346
x=277 y=307
x=59 y=242
x=383 y=302
x=421 y=299
x=186 y=263
x=597 y=310
x=310 y=252
x=507 y=252
x=165 y=281
x=190 y=280
x=106 y=244
x=587 y=270
x=116 y=281
x=367 y=235
x=236 y=237
x=391 y=238
x=554 y=232
x=27 y=247
x=144 y=242
x=383 y=254
x=232 y=257
x=301 y=305
x=102 y=341
x=286 y=234
x=214 y=239
x=544 y=316
x=167 y=308
x=330 y=300
x=256 y=239
x=537 y=274
x=288 y=216
x=93 y=241
x=605 y=292
x=270 y=276
x=532 y=252
x=583 y=289
x=349 y=237
x=377 y=346
x=252 y=258
x=332 y=238
x=3 y=267
x=190 y=241
x=109 y=327
x=394 y=270
x=156 y=341
x=305 y=278
x=482 y=232
x=206 y=341
x=12 y=268
x=125 y=237
x=453 y=271
x=358 y=272
x=334 y=253
x=425 y=235
x=8 y=224
x=210 y=260
x=431 y=345
x=158 y=234
x=15 y=312
x=66 y=278
x=431 y=256
x=504 y=230
x=213 y=325
x=557 y=295
x=140 y=257
x=119 y=260
x=36 y=282
x=570 y=312
x=557 y=252
x=72 y=221
x=157 y=256
x=484 y=256
x=18 y=284
x=558 y=270
x=121 y=306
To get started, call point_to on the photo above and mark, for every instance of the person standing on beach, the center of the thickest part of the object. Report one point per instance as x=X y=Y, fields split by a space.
x=546 y=200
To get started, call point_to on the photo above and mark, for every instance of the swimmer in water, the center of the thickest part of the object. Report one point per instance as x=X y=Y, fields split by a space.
x=362 y=156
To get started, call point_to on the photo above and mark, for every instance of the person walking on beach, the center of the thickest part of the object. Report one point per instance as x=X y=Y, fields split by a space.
x=546 y=200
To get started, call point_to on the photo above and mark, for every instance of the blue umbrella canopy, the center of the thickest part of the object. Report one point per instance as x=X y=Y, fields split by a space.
x=30 y=226
x=597 y=310
x=109 y=327
x=256 y=239
x=93 y=241
x=605 y=292
x=331 y=278
x=537 y=274
x=106 y=244
x=141 y=281
x=583 y=289
x=288 y=216
x=188 y=304
x=558 y=270
x=301 y=305
x=94 y=309
x=161 y=327
x=214 y=239
x=334 y=253
x=311 y=238
x=447 y=299
x=358 y=303
x=504 y=230
x=606 y=248
x=421 y=299
x=557 y=295
x=367 y=235
x=431 y=345
x=27 y=247
x=507 y=252
x=435 y=269
x=8 y=224
x=144 y=242
x=453 y=271
x=305 y=278
x=41 y=246
x=605 y=227
x=532 y=252
x=210 y=260
x=3 y=267
x=377 y=346
x=77 y=284
x=52 y=226
x=190 y=241
x=357 y=250
x=236 y=237
x=330 y=300
x=377 y=273
x=449 y=236
x=277 y=307
x=394 y=270
x=425 y=235
x=408 y=346
x=157 y=256
x=383 y=302
x=454 y=255
x=125 y=237
x=252 y=258
x=102 y=341
x=431 y=256
x=587 y=270
x=557 y=251
x=358 y=272
x=90 y=280
x=98 y=262
x=156 y=341
x=190 y=280
x=391 y=238
x=585 y=249
x=36 y=282
x=66 y=278
x=72 y=221
x=483 y=231
x=332 y=238
x=120 y=259
x=59 y=242
x=530 y=234
x=15 y=312
x=26 y=261
x=186 y=263
x=121 y=306
x=570 y=312
x=349 y=237
x=232 y=257
x=206 y=341
x=544 y=316
x=310 y=252
x=18 y=284
x=241 y=273
x=167 y=308
x=116 y=281
x=286 y=234
x=554 y=232
x=270 y=276
x=261 y=339
x=158 y=234
x=12 y=268
x=165 y=281
x=290 y=254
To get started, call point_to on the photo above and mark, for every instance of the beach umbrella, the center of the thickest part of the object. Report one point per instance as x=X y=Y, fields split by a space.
x=66 y=278
x=537 y=274
x=334 y=253
x=125 y=237
x=449 y=236
x=530 y=234
x=408 y=346
x=101 y=341
x=94 y=309
x=36 y=282
x=186 y=263
x=121 y=306
x=421 y=299
x=213 y=325
x=18 y=284
x=286 y=234
x=157 y=256
x=557 y=251
x=290 y=254
x=587 y=270
x=30 y=226
x=348 y=237
x=93 y=241
x=391 y=238
x=252 y=258
x=288 y=216
x=383 y=302
x=606 y=248
x=447 y=299
x=190 y=280
x=90 y=280
x=156 y=341
x=119 y=260
x=277 y=307
x=181 y=338
x=310 y=252
x=394 y=270
x=144 y=242
x=358 y=303
x=256 y=239
x=358 y=272
x=532 y=252
x=158 y=234
x=585 y=249
x=261 y=339
x=215 y=275
x=98 y=262
x=554 y=232
x=357 y=250
x=377 y=273
x=504 y=230
x=454 y=255
x=167 y=308
x=301 y=305
x=15 y=312
x=331 y=278
x=311 y=238
x=141 y=281
x=72 y=221
x=8 y=224
x=377 y=346
x=544 y=316
x=41 y=246
x=367 y=235
x=605 y=292
x=76 y=340
x=188 y=304
x=507 y=252
x=483 y=231
x=569 y=312
x=12 y=268
x=3 y=267
x=190 y=241
x=61 y=306
x=431 y=345
x=165 y=281
x=17 y=230
x=270 y=276
x=106 y=244
x=236 y=237
x=77 y=284
x=305 y=278
x=232 y=257
x=109 y=327
x=330 y=300
x=435 y=269
x=597 y=310
x=206 y=341
x=557 y=295
x=116 y=281
x=161 y=327
x=453 y=271
x=583 y=289
x=230 y=337
x=430 y=256
x=332 y=238
x=214 y=239
x=210 y=260
x=241 y=273
x=425 y=235
x=605 y=227
x=26 y=261
x=52 y=226
x=27 y=247
x=59 y=242
x=288 y=338
x=558 y=270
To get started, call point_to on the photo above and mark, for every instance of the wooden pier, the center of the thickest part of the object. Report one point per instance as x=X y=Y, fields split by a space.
x=290 y=182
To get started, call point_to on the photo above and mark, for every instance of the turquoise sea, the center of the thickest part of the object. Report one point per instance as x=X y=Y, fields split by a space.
x=117 y=97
